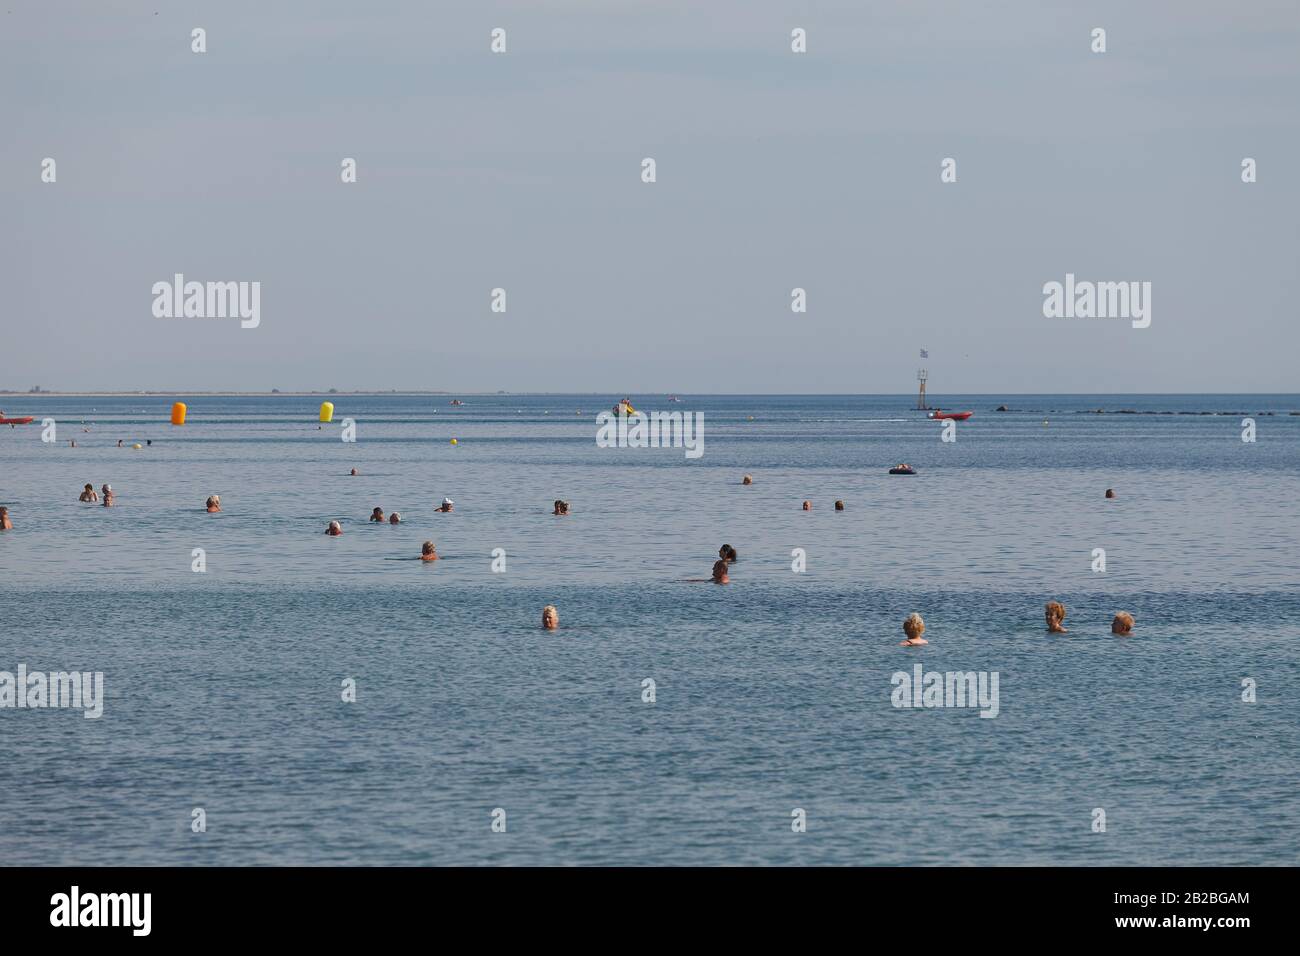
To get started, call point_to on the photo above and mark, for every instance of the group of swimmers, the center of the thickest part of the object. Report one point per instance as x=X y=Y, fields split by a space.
x=334 y=528
x=1053 y=611
x=88 y=494
x=913 y=626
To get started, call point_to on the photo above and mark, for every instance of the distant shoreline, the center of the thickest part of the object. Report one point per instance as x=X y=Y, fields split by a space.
x=168 y=393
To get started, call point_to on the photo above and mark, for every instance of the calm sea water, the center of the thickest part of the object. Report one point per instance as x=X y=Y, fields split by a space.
x=773 y=693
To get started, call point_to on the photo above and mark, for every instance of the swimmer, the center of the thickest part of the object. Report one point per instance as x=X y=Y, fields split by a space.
x=89 y=494
x=913 y=627
x=377 y=515
x=353 y=473
x=807 y=506
x=839 y=505
x=550 y=617
x=747 y=480
x=446 y=504
x=719 y=575
x=1123 y=624
x=394 y=518
x=119 y=443
x=213 y=504
x=428 y=552
x=1054 y=612
x=561 y=507
x=727 y=553
x=108 y=497
x=334 y=530
x=1110 y=492
x=5 y=523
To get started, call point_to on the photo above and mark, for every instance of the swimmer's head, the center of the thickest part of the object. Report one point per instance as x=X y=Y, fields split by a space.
x=839 y=505
x=334 y=528
x=913 y=627
x=1110 y=492
x=807 y=506
x=377 y=513
x=446 y=504
x=550 y=617
x=427 y=548
x=394 y=518
x=353 y=471
x=747 y=480
x=89 y=486
x=727 y=553
x=1054 y=612
x=1123 y=624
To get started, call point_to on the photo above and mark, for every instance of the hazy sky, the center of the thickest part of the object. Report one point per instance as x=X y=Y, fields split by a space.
x=775 y=170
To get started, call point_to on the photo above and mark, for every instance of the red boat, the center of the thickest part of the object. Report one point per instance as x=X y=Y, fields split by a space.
x=16 y=421
x=955 y=416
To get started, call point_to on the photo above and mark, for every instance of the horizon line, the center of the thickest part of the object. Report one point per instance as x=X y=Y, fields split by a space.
x=290 y=393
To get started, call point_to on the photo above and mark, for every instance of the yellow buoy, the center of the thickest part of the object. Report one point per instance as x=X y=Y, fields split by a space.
x=178 y=413
x=137 y=446
x=454 y=442
x=327 y=411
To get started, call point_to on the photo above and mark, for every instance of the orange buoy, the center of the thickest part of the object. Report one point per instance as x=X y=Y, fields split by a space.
x=178 y=413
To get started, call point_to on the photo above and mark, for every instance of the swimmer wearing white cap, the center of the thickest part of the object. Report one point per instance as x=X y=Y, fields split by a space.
x=446 y=504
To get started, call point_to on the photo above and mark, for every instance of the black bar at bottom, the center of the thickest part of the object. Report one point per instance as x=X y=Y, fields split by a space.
x=909 y=905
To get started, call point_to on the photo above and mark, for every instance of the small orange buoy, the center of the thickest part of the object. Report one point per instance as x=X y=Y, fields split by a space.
x=178 y=413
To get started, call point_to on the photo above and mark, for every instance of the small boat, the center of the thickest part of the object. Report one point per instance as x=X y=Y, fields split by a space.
x=456 y=401
x=902 y=470
x=939 y=413
x=16 y=421
x=624 y=408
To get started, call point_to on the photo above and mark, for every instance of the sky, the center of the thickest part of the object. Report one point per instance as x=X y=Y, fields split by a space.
x=774 y=171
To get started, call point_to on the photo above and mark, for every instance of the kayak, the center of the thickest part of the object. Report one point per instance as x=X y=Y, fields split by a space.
x=16 y=421
x=955 y=416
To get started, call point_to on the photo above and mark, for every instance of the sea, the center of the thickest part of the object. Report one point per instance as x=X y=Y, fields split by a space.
x=272 y=695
